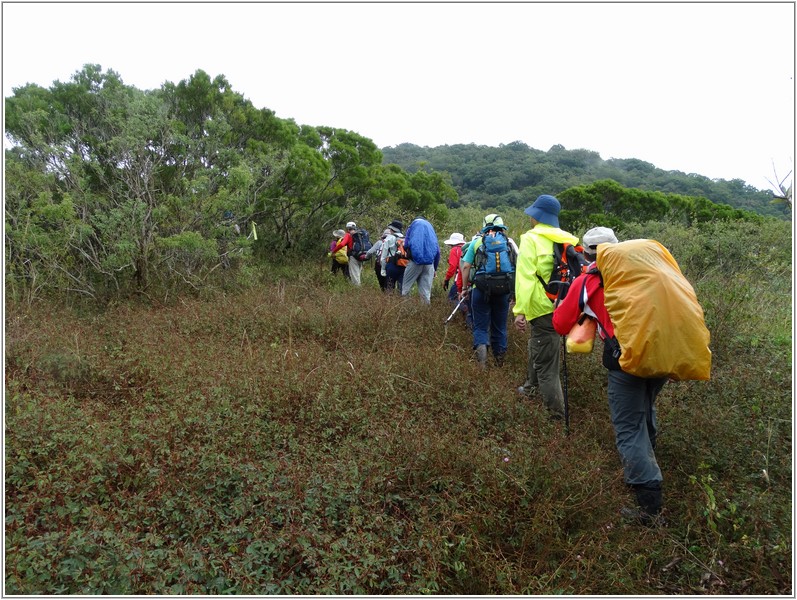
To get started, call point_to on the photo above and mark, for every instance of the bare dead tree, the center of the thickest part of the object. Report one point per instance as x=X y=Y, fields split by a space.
x=782 y=193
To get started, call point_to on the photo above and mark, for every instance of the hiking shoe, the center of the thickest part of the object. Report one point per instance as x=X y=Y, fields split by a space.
x=527 y=389
x=637 y=516
x=481 y=355
x=499 y=360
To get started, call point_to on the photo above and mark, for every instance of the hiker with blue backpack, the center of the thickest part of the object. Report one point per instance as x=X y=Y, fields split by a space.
x=423 y=252
x=488 y=275
x=533 y=307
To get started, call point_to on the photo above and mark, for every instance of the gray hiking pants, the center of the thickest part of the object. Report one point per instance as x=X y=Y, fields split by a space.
x=632 y=408
x=424 y=275
x=355 y=270
x=543 y=366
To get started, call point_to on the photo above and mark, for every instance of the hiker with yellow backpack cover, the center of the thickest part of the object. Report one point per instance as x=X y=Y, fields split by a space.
x=653 y=330
x=340 y=259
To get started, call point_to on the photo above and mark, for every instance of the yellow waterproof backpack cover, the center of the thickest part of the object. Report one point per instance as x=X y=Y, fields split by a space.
x=341 y=256
x=656 y=316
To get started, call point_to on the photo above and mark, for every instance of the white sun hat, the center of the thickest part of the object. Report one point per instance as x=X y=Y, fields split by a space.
x=595 y=236
x=455 y=240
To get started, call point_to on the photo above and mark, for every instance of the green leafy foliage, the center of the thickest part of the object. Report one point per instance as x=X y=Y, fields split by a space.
x=299 y=436
x=608 y=203
x=515 y=174
x=105 y=183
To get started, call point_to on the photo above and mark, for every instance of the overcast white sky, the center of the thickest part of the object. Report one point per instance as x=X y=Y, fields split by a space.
x=699 y=88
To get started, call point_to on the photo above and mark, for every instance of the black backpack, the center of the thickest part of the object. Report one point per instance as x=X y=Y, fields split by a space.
x=568 y=263
x=362 y=244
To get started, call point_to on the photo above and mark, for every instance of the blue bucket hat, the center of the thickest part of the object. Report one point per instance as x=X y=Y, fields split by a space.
x=545 y=210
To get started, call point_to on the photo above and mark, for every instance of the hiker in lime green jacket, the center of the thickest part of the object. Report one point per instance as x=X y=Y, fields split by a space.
x=533 y=306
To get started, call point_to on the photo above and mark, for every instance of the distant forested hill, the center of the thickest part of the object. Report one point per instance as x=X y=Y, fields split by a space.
x=513 y=173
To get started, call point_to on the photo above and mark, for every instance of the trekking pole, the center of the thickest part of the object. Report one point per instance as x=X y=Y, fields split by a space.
x=564 y=384
x=456 y=308
x=562 y=292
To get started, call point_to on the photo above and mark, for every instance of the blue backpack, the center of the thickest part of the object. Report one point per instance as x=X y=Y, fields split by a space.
x=494 y=264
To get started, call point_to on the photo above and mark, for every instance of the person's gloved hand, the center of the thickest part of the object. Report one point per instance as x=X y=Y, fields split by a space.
x=329 y=255
x=445 y=284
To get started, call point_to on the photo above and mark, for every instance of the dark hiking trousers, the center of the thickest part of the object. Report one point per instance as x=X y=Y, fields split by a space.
x=544 y=360
x=632 y=408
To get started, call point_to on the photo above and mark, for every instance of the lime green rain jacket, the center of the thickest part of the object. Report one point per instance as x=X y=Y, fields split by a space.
x=536 y=256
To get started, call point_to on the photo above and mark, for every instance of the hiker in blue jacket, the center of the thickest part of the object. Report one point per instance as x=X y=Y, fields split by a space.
x=490 y=301
x=420 y=241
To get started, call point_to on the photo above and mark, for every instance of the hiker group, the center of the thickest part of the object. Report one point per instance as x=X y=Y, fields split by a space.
x=402 y=259
x=631 y=293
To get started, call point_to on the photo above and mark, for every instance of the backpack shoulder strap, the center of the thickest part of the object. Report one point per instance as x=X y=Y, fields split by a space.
x=581 y=302
x=479 y=252
x=559 y=252
x=582 y=293
x=595 y=271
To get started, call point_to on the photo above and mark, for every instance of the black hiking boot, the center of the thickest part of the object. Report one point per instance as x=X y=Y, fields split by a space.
x=648 y=512
x=637 y=516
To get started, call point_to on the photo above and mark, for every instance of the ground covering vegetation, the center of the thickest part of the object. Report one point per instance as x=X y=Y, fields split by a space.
x=288 y=434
